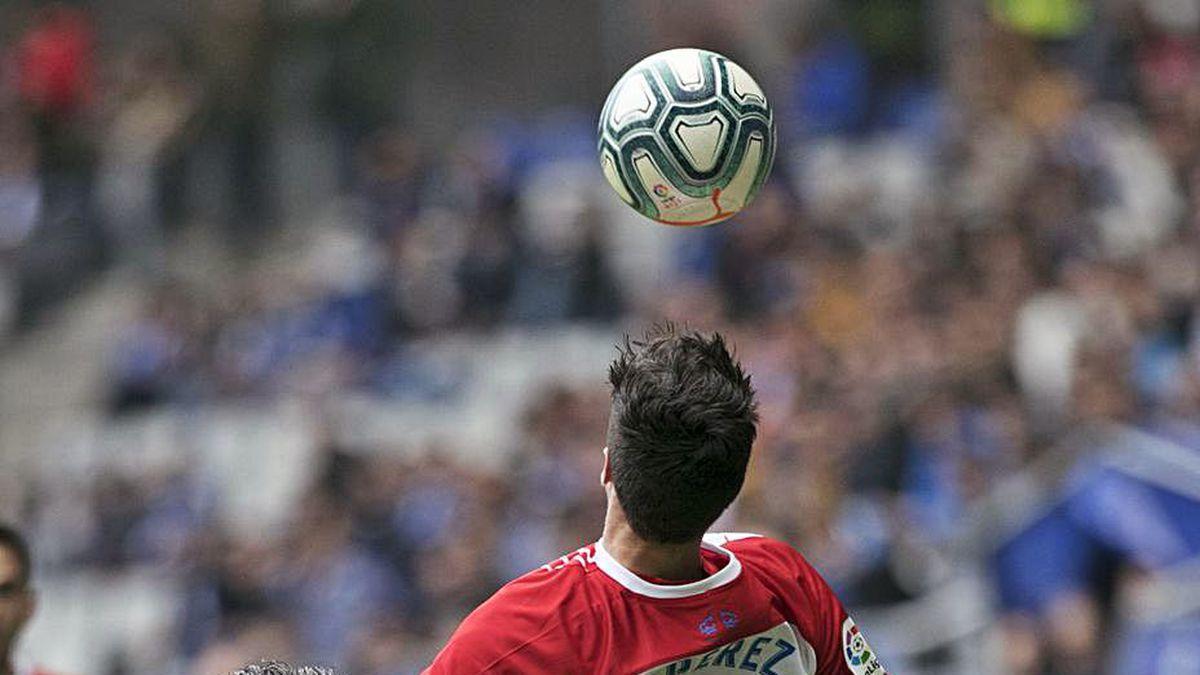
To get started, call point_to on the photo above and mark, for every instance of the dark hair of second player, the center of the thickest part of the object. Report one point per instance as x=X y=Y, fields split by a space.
x=683 y=420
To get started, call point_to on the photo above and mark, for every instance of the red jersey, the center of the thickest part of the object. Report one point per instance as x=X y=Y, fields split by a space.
x=763 y=609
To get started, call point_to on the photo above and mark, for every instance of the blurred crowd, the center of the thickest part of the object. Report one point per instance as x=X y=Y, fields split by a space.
x=977 y=256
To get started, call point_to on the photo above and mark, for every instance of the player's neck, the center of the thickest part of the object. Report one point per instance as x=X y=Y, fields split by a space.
x=669 y=562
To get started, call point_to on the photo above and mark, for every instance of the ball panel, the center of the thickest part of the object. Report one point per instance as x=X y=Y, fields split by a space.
x=685 y=66
x=633 y=101
x=644 y=83
x=702 y=138
x=744 y=183
x=688 y=89
x=744 y=102
x=608 y=164
x=671 y=204
x=742 y=87
x=668 y=165
x=698 y=115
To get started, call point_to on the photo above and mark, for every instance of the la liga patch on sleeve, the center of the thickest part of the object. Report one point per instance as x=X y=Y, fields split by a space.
x=859 y=656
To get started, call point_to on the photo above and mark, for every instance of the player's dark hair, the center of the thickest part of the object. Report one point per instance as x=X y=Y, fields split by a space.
x=12 y=540
x=679 y=435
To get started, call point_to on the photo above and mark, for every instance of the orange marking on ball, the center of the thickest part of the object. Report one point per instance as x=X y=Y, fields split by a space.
x=719 y=215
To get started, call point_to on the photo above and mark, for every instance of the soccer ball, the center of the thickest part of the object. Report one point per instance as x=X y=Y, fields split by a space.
x=686 y=137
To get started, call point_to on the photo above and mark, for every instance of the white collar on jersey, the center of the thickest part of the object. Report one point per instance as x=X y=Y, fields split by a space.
x=633 y=582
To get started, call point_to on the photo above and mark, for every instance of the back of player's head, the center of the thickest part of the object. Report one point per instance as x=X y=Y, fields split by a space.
x=683 y=420
x=12 y=541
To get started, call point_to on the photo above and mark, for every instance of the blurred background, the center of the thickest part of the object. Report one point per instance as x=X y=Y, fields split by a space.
x=305 y=308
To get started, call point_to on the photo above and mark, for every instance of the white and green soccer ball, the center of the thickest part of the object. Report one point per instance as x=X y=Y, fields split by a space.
x=686 y=137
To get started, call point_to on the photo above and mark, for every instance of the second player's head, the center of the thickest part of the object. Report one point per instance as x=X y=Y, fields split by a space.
x=679 y=435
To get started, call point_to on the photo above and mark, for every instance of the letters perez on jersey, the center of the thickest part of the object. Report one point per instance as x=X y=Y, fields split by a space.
x=776 y=651
x=761 y=609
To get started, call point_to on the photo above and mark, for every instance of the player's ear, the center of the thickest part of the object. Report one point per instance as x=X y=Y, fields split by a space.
x=605 y=471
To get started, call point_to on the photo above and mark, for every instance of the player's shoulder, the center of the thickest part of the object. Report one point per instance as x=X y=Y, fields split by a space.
x=544 y=597
x=544 y=590
x=559 y=577
x=761 y=553
x=775 y=564
x=749 y=543
x=531 y=619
